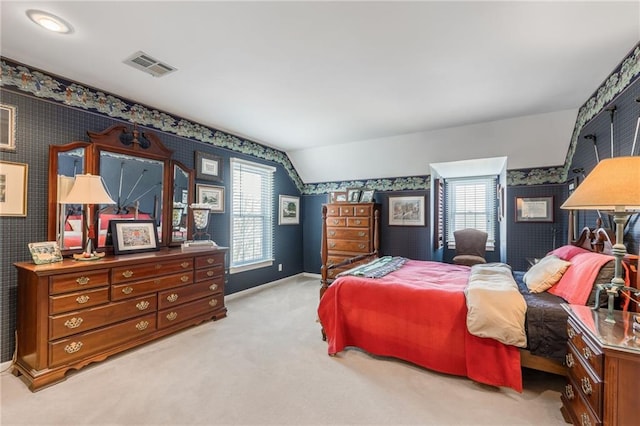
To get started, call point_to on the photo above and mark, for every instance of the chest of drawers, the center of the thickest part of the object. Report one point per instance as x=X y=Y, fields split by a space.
x=73 y=313
x=603 y=361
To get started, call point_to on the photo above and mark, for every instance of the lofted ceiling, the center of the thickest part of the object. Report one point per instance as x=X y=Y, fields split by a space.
x=321 y=80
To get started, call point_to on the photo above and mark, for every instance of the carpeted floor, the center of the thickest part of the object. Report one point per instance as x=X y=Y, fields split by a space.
x=266 y=364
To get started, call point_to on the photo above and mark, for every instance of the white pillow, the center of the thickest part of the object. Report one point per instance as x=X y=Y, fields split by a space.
x=76 y=225
x=544 y=274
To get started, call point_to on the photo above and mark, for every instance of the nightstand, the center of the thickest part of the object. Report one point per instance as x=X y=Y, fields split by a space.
x=603 y=361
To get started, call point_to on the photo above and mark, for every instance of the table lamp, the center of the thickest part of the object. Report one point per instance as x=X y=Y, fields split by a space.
x=88 y=189
x=612 y=186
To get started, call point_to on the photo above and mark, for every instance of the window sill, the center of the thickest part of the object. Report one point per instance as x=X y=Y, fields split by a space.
x=251 y=266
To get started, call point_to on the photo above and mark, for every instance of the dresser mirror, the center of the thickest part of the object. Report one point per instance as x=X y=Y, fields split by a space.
x=137 y=172
x=182 y=184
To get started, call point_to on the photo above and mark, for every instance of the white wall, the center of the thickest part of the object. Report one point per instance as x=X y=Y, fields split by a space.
x=530 y=141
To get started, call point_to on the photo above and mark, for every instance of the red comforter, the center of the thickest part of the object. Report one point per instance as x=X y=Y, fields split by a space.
x=418 y=314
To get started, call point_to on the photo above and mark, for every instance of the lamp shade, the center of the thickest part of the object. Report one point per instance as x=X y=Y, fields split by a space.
x=613 y=185
x=88 y=189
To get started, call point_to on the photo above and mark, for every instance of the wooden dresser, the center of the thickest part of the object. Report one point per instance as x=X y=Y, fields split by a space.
x=351 y=230
x=73 y=313
x=603 y=360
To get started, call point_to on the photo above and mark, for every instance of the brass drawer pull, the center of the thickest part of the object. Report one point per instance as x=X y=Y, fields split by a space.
x=336 y=221
x=584 y=420
x=568 y=391
x=158 y=265
x=210 y=273
x=213 y=302
x=184 y=278
x=172 y=297
x=172 y=315
x=361 y=234
x=82 y=299
x=569 y=360
x=210 y=260
x=185 y=264
x=73 y=347
x=83 y=280
x=585 y=384
x=142 y=325
x=127 y=274
x=73 y=322
x=142 y=305
x=213 y=287
x=332 y=245
x=587 y=353
x=332 y=233
x=571 y=333
x=361 y=210
x=361 y=246
x=127 y=290
x=358 y=221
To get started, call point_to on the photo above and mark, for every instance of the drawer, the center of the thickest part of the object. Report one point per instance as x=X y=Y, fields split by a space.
x=78 y=281
x=80 y=321
x=332 y=273
x=92 y=342
x=336 y=221
x=348 y=245
x=346 y=210
x=587 y=385
x=360 y=222
x=184 y=312
x=333 y=211
x=131 y=289
x=78 y=300
x=211 y=260
x=151 y=269
x=362 y=210
x=591 y=353
x=209 y=273
x=334 y=260
x=577 y=407
x=177 y=296
x=348 y=233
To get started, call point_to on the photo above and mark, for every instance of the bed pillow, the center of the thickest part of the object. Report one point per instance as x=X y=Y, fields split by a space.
x=576 y=284
x=567 y=252
x=544 y=274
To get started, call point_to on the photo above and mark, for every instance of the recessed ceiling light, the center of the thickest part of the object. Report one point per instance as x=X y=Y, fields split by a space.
x=49 y=21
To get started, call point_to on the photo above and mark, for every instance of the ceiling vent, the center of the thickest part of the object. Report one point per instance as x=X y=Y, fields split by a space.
x=146 y=63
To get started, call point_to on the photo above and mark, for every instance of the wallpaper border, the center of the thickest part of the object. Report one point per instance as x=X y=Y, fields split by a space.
x=43 y=85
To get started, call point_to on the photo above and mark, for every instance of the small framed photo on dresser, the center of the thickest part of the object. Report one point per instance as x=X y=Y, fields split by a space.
x=353 y=195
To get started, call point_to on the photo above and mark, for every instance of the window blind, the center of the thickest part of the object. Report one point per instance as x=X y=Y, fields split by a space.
x=251 y=215
x=471 y=203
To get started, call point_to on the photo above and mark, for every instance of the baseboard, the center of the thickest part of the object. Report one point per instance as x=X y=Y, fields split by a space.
x=311 y=275
x=4 y=366
x=261 y=287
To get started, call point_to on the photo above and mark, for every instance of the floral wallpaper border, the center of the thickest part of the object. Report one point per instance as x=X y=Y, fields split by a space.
x=73 y=94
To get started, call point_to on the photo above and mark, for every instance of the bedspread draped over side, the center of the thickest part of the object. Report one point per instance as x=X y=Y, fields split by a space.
x=419 y=317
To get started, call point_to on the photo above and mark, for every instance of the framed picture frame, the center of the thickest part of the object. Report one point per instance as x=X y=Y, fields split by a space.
x=208 y=166
x=45 y=252
x=367 y=196
x=13 y=188
x=338 y=197
x=406 y=211
x=534 y=209
x=133 y=236
x=211 y=195
x=7 y=127
x=289 y=210
x=353 y=195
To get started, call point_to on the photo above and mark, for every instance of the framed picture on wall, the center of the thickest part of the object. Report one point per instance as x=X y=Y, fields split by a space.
x=208 y=166
x=289 y=208
x=211 y=195
x=406 y=211
x=7 y=127
x=13 y=188
x=534 y=209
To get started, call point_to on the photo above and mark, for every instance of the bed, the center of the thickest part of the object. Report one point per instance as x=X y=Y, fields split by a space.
x=421 y=311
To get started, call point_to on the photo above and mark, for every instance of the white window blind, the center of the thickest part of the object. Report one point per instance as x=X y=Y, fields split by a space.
x=251 y=215
x=471 y=203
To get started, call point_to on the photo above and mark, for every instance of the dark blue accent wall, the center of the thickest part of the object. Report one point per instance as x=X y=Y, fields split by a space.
x=40 y=123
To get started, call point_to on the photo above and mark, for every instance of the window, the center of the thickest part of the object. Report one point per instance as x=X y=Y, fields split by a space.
x=471 y=203
x=251 y=215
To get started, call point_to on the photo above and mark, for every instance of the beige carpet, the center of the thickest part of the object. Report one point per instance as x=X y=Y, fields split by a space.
x=267 y=364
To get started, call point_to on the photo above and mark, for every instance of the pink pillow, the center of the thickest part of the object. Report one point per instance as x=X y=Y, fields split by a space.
x=567 y=252
x=577 y=282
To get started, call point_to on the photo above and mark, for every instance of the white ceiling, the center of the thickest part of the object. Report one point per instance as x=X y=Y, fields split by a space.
x=304 y=76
